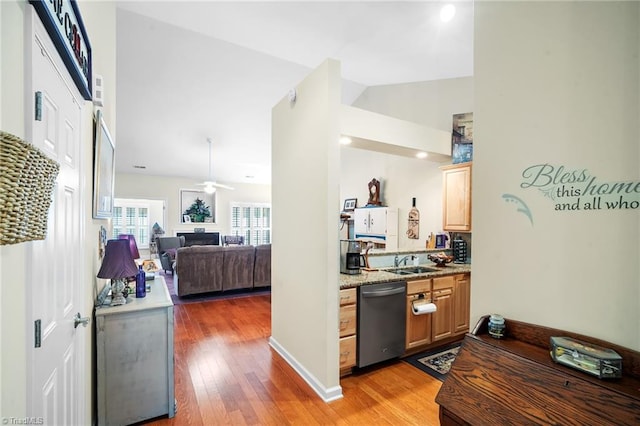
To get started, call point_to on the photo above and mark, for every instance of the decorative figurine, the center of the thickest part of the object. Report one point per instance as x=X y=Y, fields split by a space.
x=374 y=193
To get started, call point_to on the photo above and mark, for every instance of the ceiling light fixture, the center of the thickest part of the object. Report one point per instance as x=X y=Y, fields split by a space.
x=447 y=12
x=211 y=185
x=345 y=140
x=422 y=154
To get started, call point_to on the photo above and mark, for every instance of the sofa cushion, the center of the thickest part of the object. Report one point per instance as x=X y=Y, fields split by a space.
x=262 y=267
x=199 y=269
x=238 y=267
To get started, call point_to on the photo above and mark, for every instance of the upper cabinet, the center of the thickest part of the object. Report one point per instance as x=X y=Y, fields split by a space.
x=378 y=225
x=456 y=203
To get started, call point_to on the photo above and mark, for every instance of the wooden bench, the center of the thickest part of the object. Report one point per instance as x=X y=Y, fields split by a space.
x=514 y=381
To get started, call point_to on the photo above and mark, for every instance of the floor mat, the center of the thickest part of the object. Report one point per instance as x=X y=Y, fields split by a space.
x=435 y=362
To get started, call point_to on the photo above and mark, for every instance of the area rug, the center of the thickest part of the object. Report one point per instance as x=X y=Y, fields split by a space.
x=205 y=297
x=436 y=362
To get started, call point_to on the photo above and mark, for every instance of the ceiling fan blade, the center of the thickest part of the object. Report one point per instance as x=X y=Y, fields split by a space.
x=215 y=184
x=220 y=185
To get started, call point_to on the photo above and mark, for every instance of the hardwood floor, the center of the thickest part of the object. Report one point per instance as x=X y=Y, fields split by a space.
x=226 y=373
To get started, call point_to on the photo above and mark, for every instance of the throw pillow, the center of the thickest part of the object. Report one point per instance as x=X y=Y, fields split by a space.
x=171 y=253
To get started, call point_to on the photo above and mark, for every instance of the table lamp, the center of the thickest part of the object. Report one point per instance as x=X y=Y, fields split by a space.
x=133 y=247
x=117 y=265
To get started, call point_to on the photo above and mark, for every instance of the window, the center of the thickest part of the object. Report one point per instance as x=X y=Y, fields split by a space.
x=131 y=218
x=252 y=221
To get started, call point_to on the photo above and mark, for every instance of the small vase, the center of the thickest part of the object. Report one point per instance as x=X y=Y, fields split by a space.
x=141 y=283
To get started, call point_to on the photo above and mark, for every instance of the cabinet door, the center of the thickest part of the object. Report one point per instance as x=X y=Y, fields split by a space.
x=456 y=214
x=378 y=221
x=418 y=326
x=462 y=301
x=442 y=297
x=361 y=221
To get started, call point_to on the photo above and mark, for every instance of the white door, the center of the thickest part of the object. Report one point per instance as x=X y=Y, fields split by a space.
x=55 y=292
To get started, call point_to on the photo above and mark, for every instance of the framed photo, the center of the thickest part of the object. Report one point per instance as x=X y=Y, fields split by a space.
x=205 y=203
x=104 y=154
x=350 y=204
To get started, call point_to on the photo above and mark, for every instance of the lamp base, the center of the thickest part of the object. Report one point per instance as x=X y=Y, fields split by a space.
x=117 y=298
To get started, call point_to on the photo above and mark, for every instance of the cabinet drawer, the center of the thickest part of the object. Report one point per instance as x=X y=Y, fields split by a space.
x=418 y=286
x=347 y=352
x=442 y=283
x=347 y=296
x=347 y=320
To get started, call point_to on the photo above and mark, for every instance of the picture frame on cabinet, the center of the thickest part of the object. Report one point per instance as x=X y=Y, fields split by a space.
x=350 y=204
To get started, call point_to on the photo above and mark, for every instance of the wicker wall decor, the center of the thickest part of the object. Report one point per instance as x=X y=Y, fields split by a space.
x=27 y=178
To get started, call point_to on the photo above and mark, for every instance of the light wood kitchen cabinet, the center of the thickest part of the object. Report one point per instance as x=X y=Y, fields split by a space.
x=456 y=203
x=418 y=326
x=443 y=297
x=462 y=303
x=348 y=318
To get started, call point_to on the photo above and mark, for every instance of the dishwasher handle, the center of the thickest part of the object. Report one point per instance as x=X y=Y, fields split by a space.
x=382 y=292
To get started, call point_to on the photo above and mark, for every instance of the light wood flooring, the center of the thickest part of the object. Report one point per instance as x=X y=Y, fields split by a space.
x=226 y=373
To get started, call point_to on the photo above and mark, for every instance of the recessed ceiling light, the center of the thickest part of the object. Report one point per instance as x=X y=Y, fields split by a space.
x=345 y=140
x=422 y=155
x=447 y=12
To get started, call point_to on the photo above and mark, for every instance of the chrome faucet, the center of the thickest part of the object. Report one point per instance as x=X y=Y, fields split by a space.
x=396 y=261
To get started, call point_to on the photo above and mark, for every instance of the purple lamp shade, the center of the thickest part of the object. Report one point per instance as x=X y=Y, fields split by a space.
x=133 y=247
x=118 y=262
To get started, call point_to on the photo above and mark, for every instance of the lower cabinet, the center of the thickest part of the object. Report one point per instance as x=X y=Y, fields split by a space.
x=418 y=326
x=348 y=318
x=443 y=299
x=451 y=295
x=134 y=358
x=462 y=300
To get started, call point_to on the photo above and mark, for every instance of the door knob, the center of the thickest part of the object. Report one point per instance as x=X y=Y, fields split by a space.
x=77 y=320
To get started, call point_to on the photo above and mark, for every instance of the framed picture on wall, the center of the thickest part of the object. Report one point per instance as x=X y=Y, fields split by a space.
x=197 y=206
x=104 y=155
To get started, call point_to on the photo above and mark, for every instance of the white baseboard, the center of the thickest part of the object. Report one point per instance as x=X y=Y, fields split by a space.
x=327 y=395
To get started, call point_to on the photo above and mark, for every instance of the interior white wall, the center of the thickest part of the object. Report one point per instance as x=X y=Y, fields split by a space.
x=432 y=103
x=304 y=274
x=168 y=189
x=401 y=178
x=12 y=258
x=557 y=83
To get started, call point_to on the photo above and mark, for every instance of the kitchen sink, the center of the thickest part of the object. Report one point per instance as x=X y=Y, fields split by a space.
x=413 y=270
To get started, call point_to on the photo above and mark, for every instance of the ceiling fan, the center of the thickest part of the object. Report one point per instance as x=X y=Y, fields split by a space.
x=211 y=185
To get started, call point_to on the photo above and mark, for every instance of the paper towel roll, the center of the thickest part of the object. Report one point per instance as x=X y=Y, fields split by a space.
x=423 y=308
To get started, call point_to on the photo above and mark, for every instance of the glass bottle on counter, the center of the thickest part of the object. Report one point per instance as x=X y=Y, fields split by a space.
x=141 y=282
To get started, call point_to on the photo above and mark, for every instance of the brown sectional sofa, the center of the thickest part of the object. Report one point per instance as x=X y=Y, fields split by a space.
x=203 y=269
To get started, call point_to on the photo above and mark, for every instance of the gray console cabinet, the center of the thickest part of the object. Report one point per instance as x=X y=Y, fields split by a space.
x=134 y=359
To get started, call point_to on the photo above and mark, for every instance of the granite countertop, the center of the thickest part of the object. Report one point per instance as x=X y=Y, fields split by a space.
x=381 y=275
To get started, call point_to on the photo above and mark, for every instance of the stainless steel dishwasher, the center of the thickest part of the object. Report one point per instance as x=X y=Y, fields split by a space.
x=381 y=322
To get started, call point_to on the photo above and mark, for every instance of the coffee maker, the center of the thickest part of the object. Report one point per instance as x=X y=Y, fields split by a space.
x=350 y=258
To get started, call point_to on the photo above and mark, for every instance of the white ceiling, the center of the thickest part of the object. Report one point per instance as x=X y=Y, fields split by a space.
x=188 y=71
